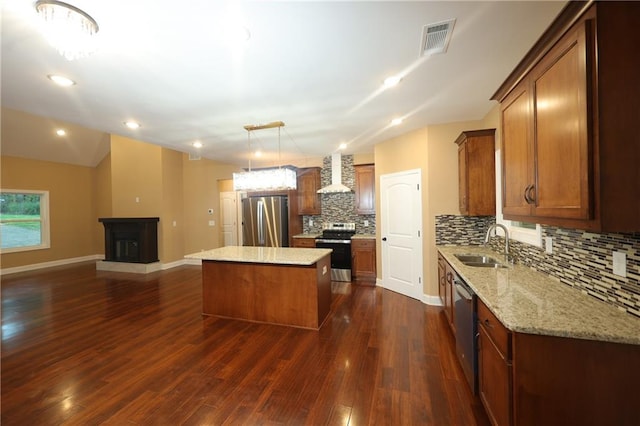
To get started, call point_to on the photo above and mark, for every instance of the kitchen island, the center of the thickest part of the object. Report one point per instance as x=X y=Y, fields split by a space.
x=283 y=285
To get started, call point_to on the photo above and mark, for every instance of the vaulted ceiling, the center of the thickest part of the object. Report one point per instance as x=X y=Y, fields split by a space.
x=316 y=66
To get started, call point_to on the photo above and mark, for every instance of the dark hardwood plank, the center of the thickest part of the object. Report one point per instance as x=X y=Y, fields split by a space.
x=81 y=346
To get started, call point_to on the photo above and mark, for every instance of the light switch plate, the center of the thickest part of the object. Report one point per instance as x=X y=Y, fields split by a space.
x=212 y=223
x=620 y=263
x=548 y=245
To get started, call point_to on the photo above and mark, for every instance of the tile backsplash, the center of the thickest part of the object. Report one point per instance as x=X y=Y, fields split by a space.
x=580 y=259
x=340 y=207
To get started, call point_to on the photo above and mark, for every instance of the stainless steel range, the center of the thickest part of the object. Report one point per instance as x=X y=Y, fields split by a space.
x=337 y=236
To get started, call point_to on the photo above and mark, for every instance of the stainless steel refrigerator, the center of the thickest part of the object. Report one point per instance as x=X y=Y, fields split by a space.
x=265 y=221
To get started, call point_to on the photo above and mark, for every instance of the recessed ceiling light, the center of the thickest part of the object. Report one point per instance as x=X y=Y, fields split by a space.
x=396 y=121
x=392 y=81
x=132 y=125
x=258 y=154
x=197 y=144
x=61 y=132
x=60 y=80
x=342 y=146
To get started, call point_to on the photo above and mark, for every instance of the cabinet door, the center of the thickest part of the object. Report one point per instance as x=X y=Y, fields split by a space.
x=517 y=158
x=309 y=202
x=442 y=280
x=462 y=179
x=448 y=296
x=561 y=135
x=494 y=374
x=364 y=260
x=365 y=189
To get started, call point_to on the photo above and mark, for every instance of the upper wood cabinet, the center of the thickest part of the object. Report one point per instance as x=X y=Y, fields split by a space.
x=545 y=135
x=569 y=138
x=365 y=189
x=309 y=202
x=477 y=173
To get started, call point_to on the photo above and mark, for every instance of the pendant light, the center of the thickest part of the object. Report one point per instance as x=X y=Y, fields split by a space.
x=280 y=179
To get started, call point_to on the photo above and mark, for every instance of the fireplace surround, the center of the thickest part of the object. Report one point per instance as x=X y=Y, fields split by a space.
x=131 y=239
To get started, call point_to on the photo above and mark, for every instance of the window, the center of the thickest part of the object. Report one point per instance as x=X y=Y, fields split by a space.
x=24 y=220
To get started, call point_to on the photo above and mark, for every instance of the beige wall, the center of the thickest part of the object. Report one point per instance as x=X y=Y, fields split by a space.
x=200 y=193
x=102 y=198
x=433 y=151
x=172 y=226
x=72 y=217
x=136 y=173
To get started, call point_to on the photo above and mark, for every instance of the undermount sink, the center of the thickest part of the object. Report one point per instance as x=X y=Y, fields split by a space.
x=479 y=261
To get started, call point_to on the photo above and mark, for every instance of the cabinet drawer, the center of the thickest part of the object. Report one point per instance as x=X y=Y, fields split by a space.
x=498 y=333
x=304 y=242
x=363 y=244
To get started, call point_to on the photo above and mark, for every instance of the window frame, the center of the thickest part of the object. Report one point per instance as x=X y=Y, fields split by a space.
x=45 y=231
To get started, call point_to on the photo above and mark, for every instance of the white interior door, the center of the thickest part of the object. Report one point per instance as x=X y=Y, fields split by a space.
x=401 y=232
x=229 y=219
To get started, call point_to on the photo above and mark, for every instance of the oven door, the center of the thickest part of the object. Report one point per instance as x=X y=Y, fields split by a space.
x=340 y=258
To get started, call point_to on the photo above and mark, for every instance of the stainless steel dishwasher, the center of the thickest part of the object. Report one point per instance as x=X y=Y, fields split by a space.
x=465 y=318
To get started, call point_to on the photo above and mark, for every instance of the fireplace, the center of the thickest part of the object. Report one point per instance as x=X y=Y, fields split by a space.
x=131 y=239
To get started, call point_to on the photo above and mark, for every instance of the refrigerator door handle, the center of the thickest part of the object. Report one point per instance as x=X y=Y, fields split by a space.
x=260 y=222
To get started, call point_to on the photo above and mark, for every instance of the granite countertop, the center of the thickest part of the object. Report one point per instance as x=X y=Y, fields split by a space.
x=363 y=237
x=527 y=301
x=307 y=236
x=275 y=255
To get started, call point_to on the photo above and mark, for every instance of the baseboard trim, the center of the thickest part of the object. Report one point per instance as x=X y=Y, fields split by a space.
x=51 y=264
x=103 y=265
x=431 y=300
x=134 y=268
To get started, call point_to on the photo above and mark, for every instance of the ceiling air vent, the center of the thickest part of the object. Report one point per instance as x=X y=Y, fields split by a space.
x=193 y=156
x=435 y=37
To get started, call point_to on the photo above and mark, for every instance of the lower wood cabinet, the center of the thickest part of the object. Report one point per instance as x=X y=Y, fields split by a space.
x=363 y=260
x=532 y=379
x=494 y=367
x=304 y=242
x=442 y=279
x=445 y=290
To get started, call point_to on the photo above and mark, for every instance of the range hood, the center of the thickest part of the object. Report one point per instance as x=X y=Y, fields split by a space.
x=336 y=177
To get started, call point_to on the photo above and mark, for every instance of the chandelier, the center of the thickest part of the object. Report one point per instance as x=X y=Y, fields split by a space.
x=70 y=30
x=276 y=179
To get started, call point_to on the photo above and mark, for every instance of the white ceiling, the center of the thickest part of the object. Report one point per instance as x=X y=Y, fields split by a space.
x=317 y=66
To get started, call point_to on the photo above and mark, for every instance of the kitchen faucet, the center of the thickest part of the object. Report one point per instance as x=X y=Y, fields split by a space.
x=506 y=237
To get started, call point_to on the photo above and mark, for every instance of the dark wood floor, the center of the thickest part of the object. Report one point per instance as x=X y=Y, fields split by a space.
x=86 y=347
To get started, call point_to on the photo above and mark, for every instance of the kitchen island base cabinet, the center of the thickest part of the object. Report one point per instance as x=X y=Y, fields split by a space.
x=295 y=295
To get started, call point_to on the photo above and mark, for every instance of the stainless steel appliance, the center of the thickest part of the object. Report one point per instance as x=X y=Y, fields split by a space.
x=465 y=318
x=265 y=221
x=337 y=236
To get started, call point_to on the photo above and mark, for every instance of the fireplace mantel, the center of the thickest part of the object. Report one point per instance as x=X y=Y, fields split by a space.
x=131 y=239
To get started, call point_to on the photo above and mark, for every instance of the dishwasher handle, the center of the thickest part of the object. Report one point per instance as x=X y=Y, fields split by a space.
x=463 y=292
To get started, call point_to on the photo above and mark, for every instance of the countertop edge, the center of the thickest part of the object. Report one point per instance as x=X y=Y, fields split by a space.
x=263 y=255
x=579 y=325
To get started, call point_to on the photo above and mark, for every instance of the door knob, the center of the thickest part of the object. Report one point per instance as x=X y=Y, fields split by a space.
x=384 y=238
